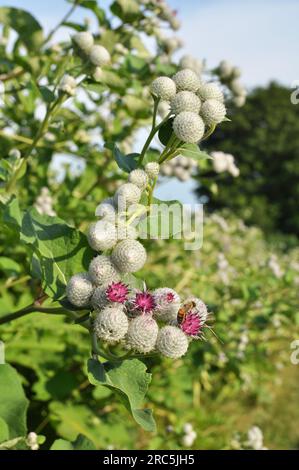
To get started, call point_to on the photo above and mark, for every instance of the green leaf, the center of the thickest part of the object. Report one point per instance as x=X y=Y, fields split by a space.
x=193 y=151
x=164 y=221
x=4 y=431
x=12 y=214
x=126 y=10
x=136 y=106
x=110 y=79
x=13 y=403
x=47 y=95
x=129 y=380
x=166 y=131
x=81 y=443
x=75 y=26
x=126 y=162
x=27 y=27
x=62 y=250
x=9 y=266
x=136 y=64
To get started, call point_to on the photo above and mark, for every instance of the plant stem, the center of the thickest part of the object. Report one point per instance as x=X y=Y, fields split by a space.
x=18 y=138
x=42 y=129
x=95 y=348
x=153 y=131
x=209 y=132
x=151 y=192
x=64 y=19
x=170 y=149
x=30 y=309
x=4 y=77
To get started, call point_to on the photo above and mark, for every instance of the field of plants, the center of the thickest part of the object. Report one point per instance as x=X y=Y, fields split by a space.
x=110 y=337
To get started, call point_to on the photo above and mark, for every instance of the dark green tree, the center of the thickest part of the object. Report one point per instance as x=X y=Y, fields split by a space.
x=264 y=138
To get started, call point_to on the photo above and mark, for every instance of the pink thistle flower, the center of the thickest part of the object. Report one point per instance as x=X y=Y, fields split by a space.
x=117 y=292
x=169 y=297
x=144 y=302
x=192 y=325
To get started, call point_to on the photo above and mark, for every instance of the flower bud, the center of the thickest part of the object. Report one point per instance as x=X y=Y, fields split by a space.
x=239 y=101
x=185 y=101
x=187 y=80
x=172 y=342
x=164 y=88
x=167 y=304
x=79 y=289
x=189 y=62
x=111 y=324
x=210 y=91
x=237 y=88
x=84 y=41
x=188 y=127
x=225 y=69
x=126 y=195
x=102 y=271
x=152 y=169
x=128 y=256
x=67 y=85
x=213 y=112
x=99 y=56
x=99 y=298
x=102 y=235
x=142 y=334
x=139 y=178
x=106 y=209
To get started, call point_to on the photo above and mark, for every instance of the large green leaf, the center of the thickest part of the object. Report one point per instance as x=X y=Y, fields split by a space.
x=13 y=403
x=12 y=214
x=125 y=162
x=60 y=249
x=27 y=27
x=193 y=151
x=57 y=250
x=165 y=132
x=81 y=443
x=126 y=10
x=129 y=380
x=9 y=266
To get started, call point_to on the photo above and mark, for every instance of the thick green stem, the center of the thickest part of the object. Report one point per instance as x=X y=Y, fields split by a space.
x=153 y=131
x=30 y=309
x=170 y=149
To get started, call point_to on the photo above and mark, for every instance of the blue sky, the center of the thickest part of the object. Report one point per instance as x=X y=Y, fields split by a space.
x=260 y=36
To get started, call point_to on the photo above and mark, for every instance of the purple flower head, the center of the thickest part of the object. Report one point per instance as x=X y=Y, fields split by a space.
x=169 y=297
x=117 y=292
x=192 y=325
x=144 y=302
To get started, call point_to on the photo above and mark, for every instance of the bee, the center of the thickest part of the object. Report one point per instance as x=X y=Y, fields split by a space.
x=184 y=310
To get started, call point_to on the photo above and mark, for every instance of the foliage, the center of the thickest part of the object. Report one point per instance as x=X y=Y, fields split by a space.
x=263 y=137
